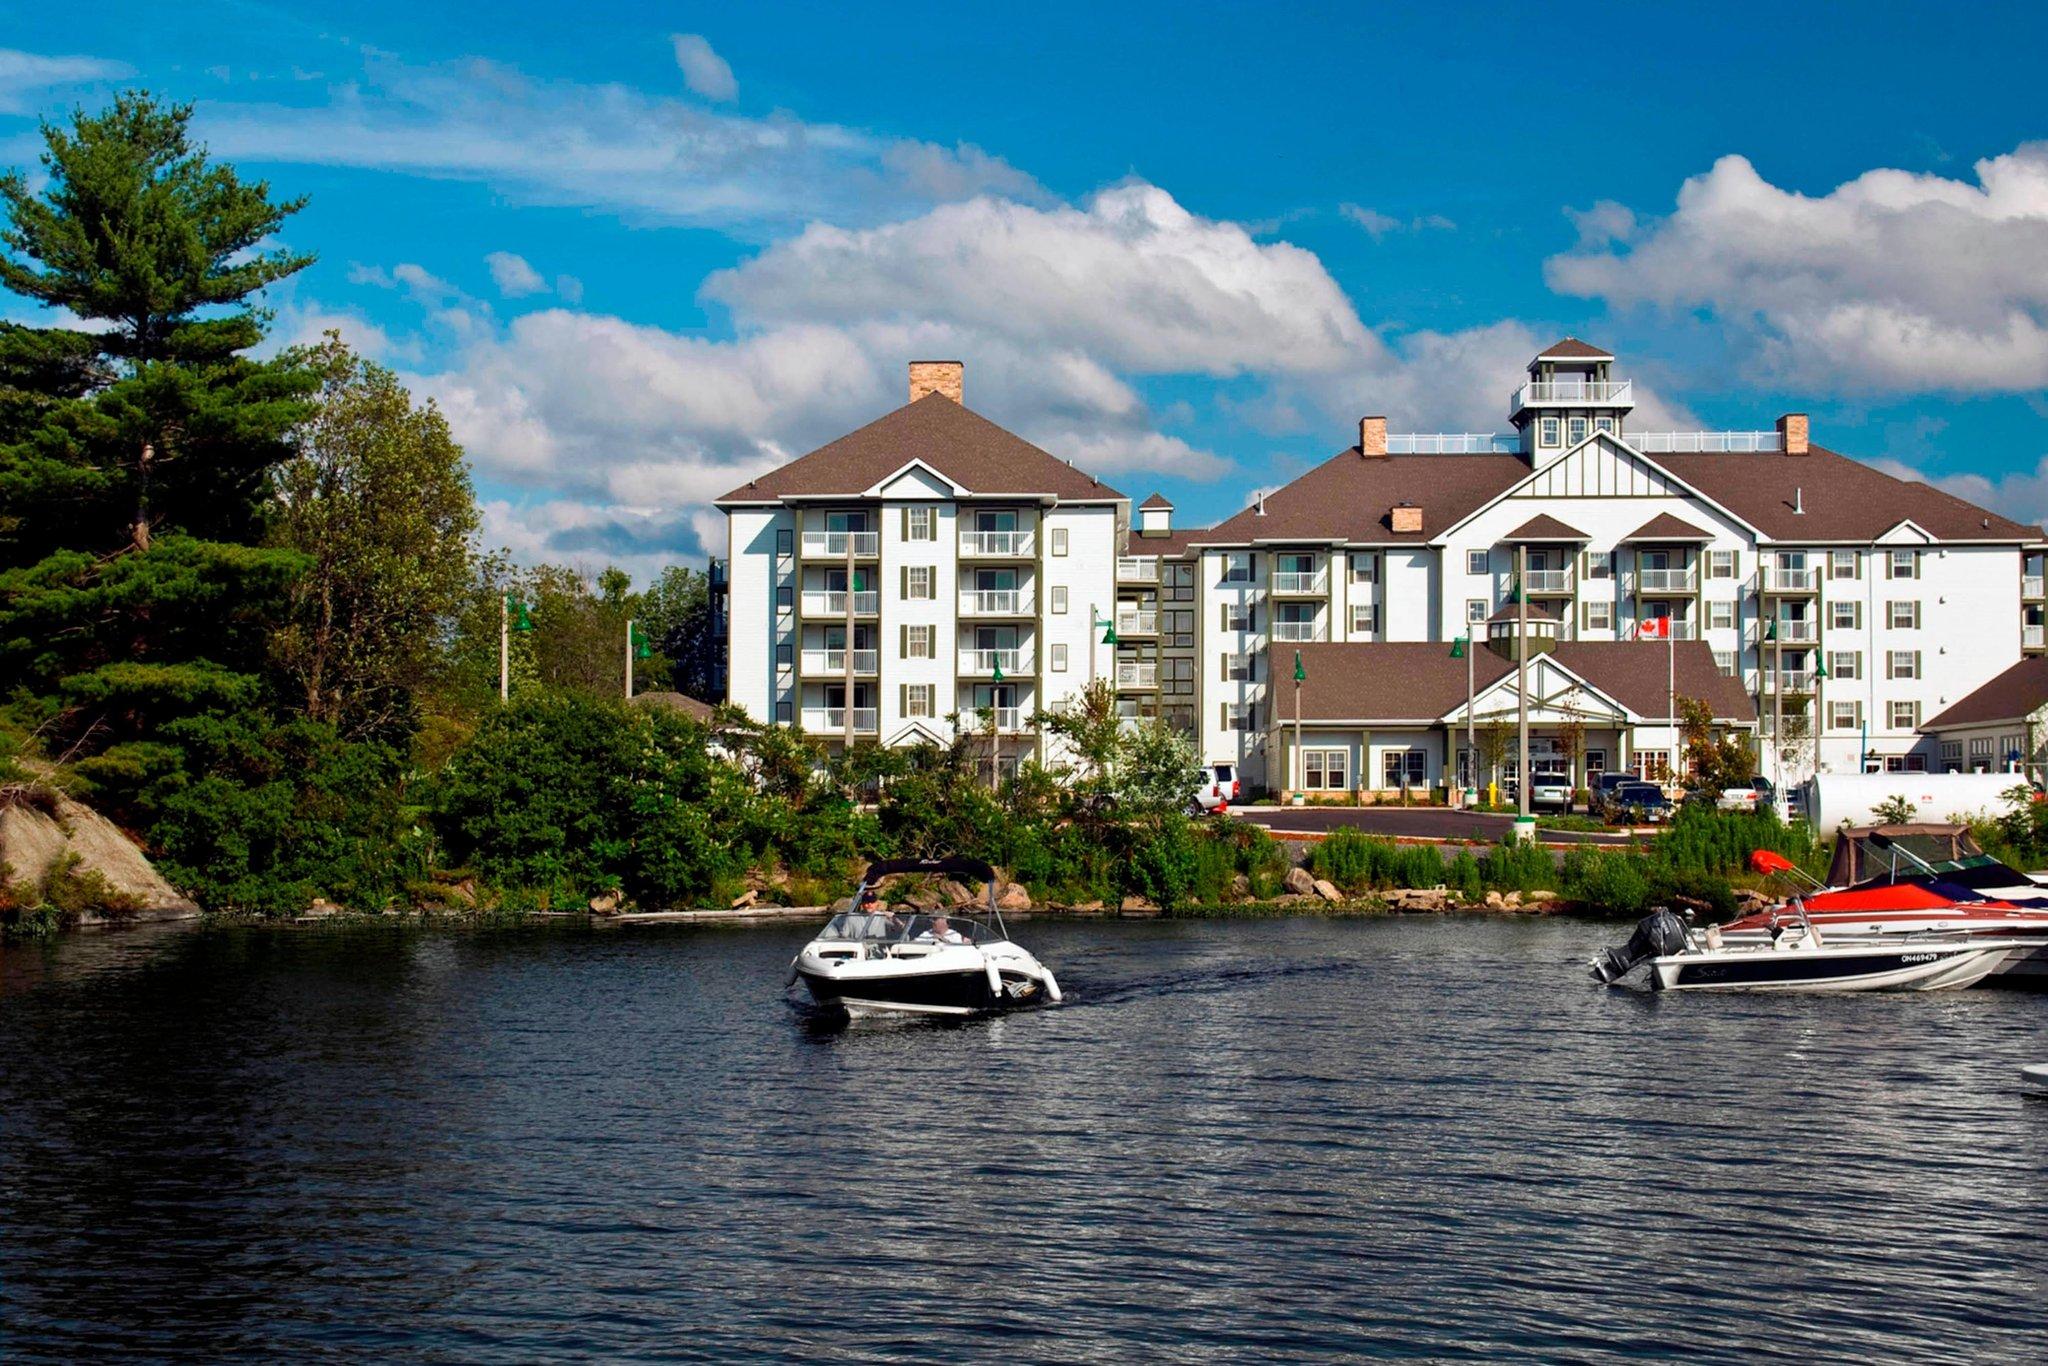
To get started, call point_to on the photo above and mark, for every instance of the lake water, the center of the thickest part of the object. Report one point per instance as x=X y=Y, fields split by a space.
x=1428 y=1137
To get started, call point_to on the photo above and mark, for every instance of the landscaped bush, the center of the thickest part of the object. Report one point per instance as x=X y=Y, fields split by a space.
x=1357 y=862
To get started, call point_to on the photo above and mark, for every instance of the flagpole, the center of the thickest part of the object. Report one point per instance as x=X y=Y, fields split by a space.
x=1471 y=727
x=1297 y=767
x=1671 y=685
x=629 y=659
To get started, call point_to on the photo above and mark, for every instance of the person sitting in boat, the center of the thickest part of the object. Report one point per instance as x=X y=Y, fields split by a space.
x=881 y=924
x=942 y=933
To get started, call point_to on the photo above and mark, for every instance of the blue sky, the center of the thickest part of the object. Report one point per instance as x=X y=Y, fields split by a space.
x=640 y=252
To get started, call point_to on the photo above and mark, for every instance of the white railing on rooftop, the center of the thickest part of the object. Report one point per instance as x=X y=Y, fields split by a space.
x=1453 y=443
x=1572 y=391
x=1137 y=569
x=837 y=544
x=1701 y=443
x=1007 y=544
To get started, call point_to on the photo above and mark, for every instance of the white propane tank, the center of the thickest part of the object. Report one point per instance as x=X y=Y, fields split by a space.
x=1937 y=798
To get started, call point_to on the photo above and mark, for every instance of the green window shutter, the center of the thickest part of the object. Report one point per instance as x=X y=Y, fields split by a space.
x=903 y=641
x=903 y=577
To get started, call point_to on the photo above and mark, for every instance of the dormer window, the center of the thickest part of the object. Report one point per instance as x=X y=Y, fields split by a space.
x=1577 y=427
x=1546 y=432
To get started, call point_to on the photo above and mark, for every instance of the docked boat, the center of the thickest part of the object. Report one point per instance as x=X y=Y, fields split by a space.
x=1682 y=959
x=869 y=958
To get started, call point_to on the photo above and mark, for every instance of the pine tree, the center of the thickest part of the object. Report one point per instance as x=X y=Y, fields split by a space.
x=136 y=449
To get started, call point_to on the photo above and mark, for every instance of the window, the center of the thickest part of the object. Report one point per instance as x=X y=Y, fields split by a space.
x=1724 y=660
x=1596 y=761
x=1842 y=564
x=1059 y=540
x=1845 y=716
x=1325 y=770
x=1905 y=763
x=1604 y=424
x=1980 y=753
x=1365 y=618
x=1599 y=616
x=1903 y=616
x=1237 y=566
x=1577 y=429
x=1599 y=564
x=1240 y=616
x=919 y=524
x=785 y=598
x=1721 y=616
x=1845 y=665
x=917 y=642
x=785 y=542
x=1237 y=668
x=1058 y=659
x=1905 y=664
x=1903 y=564
x=917 y=699
x=1477 y=562
x=784 y=713
x=1365 y=568
x=1404 y=767
x=1297 y=621
x=785 y=656
x=1475 y=611
x=1845 y=616
x=1905 y=715
x=1236 y=715
x=1720 y=564
x=1059 y=599
x=1546 y=432
x=917 y=582
x=1179 y=626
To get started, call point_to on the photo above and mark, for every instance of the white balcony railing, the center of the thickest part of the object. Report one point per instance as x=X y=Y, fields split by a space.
x=1313 y=582
x=995 y=602
x=1569 y=391
x=836 y=545
x=1006 y=718
x=1297 y=630
x=1681 y=629
x=1665 y=580
x=1137 y=675
x=2031 y=586
x=1137 y=569
x=1702 y=443
x=2033 y=637
x=834 y=661
x=1780 y=580
x=1549 y=581
x=1789 y=631
x=832 y=603
x=834 y=718
x=1016 y=660
x=1453 y=443
x=1140 y=621
x=1004 y=544
x=1788 y=680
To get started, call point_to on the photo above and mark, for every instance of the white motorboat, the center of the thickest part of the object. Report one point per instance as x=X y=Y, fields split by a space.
x=1681 y=959
x=870 y=958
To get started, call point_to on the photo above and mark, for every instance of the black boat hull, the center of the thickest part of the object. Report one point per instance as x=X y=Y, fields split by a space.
x=930 y=993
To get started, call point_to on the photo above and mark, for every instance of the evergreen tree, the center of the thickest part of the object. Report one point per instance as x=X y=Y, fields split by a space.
x=683 y=626
x=135 y=455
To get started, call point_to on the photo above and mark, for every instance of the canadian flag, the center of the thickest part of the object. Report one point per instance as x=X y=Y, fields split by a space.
x=1655 y=628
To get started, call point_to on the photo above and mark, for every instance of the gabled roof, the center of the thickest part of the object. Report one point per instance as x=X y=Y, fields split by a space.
x=956 y=442
x=1571 y=348
x=1544 y=527
x=1157 y=500
x=1512 y=611
x=2011 y=696
x=1665 y=527
x=1170 y=546
x=1844 y=499
x=1349 y=497
x=1415 y=680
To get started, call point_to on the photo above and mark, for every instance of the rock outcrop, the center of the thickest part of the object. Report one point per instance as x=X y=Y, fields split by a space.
x=33 y=838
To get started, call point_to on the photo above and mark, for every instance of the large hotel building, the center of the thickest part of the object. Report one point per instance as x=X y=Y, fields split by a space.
x=932 y=570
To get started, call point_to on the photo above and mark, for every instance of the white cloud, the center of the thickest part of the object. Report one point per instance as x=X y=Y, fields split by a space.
x=606 y=146
x=513 y=276
x=569 y=289
x=25 y=76
x=1894 y=280
x=2021 y=495
x=1378 y=225
x=704 y=71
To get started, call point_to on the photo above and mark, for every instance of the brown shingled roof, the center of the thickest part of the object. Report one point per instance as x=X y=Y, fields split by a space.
x=1157 y=500
x=1571 y=348
x=2012 y=695
x=1170 y=546
x=1544 y=527
x=1412 y=680
x=1512 y=611
x=1665 y=527
x=1845 y=499
x=954 y=440
x=1348 y=498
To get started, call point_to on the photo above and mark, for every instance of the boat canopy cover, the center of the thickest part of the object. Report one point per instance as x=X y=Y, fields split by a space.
x=1862 y=853
x=951 y=867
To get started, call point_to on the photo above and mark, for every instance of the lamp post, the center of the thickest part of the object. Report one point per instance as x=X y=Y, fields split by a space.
x=1298 y=764
x=1522 y=687
x=1461 y=648
x=512 y=616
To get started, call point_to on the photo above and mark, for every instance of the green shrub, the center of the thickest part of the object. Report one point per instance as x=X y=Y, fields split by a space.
x=1518 y=866
x=1607 y=882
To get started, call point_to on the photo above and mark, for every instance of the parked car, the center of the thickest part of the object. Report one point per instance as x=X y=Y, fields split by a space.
x=1756 y=795
x=1224 y=776
x=1638 y=803
x=1217 y=789
x=1551 y=786
x=1602 y=786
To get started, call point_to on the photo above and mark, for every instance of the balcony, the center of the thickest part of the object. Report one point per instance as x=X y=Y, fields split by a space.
x=1009 y=720
x=865 y=719
x=832 y=663
x=833 y=603
x=1788 y=581
x=1137 y=675
x=1297 y=631
x=2031 y=586
x=997 y=602
x=1788 y=681
x=1309 y=583
x=1014 y=661
x=1665 y=582
x=1137 y=621
x=1137 y=569
x=2032 y=637
x=837 y=545
x=1568 y=393
x=1548 y=583
x=1790 y=631
x=998 y=545
x=1681 y=629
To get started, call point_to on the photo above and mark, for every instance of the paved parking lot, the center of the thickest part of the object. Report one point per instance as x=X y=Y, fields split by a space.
x=1412 y=822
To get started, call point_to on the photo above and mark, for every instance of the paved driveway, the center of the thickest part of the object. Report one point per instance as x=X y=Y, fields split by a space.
x=1413 y=822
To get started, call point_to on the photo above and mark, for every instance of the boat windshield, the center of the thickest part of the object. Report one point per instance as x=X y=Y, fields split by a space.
x=914 y=929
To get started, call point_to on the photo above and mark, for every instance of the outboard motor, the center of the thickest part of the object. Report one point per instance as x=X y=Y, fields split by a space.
x=1659 y=933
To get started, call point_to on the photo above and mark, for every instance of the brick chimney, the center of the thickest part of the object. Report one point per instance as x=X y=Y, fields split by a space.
x=1404 y=517
x=1792 y=433
x=1372 y=438
x=946 y=377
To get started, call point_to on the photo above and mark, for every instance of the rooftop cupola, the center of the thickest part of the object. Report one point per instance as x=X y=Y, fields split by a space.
x=1570 y=394
x=1155 y=516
